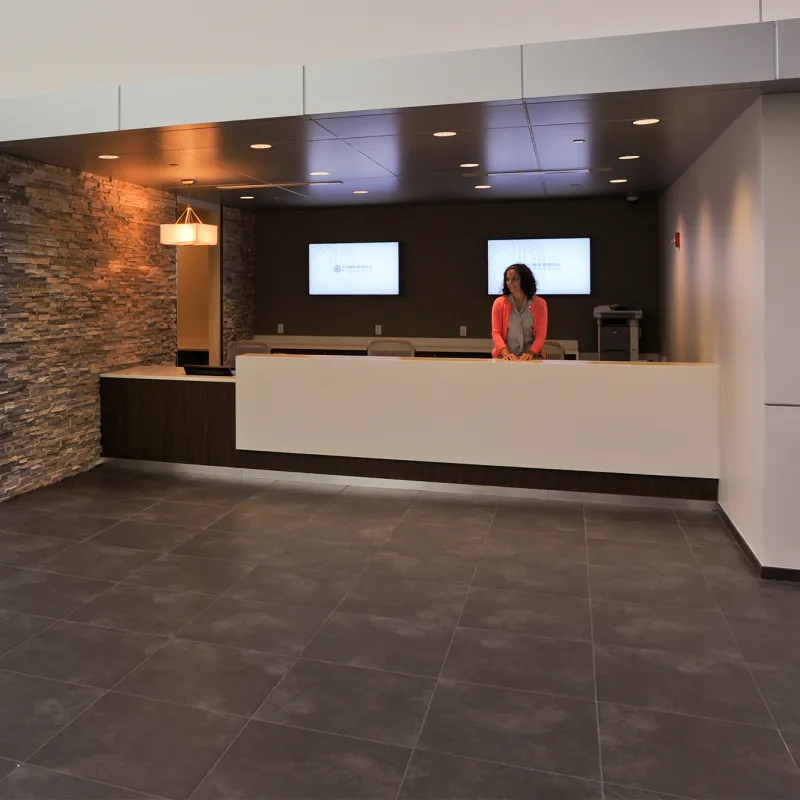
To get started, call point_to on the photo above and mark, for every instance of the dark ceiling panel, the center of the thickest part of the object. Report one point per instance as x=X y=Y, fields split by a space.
x=393 y=155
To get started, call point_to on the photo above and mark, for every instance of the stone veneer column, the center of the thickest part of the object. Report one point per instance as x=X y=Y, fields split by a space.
x=85 y=287
x=238 y=276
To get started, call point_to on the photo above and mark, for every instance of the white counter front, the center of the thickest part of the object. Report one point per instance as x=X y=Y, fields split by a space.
x=630 y=418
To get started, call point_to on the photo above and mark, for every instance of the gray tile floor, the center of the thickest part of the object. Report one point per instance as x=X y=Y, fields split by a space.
x=186 y=638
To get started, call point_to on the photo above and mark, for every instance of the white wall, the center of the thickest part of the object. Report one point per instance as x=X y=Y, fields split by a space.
x=714 y=297
x=52 y=46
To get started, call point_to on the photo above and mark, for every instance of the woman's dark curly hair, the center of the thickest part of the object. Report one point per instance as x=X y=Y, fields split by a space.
x=527 y=281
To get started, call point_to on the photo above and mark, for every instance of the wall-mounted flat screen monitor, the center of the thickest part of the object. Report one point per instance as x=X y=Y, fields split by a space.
x=354 y=268
x=560 y=266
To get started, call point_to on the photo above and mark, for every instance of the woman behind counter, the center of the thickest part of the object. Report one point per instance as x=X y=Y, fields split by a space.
x=519 y=317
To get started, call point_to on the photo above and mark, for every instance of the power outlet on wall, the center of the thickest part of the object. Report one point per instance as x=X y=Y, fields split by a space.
x=463 y=330
x=378 y=330
x=280 y=327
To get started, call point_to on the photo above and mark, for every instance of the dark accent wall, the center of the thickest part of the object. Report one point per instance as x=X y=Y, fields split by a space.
x=85 y=287
x=443 y=263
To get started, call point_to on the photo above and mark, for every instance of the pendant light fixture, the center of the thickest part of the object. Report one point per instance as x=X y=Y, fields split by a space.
x=189 y=230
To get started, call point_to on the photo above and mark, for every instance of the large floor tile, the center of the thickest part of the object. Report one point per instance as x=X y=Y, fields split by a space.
x=416 y=648
x=143 y=609
x=686 y=684
x=100 y=561
x=215 y=493
x=47 y=594
x=627 y=513
x=229 y=546
x=692 y=757
x=187 y=574
x=155 y=487
x=650 y=531
x=416 y=562
x=532 y=547
x=82 y=654
x=312 y=554
x=344 y=530
x=458 y=512
x=763 y=641
x=541 y=577
x=12 y=515
x=33 y=710
x=539 y=516
x=534 y=614
x=683 y=586
x=678 y=630
x=758 y=599
x=256 y=626
x=723 y=562
x=22 y=550
x=145 y=536
x=385 y=505
x=272 y=762
x=351 y=701
x=208 y=676
x=64 y=525
x=793 y=743
x=294 y=587
x=255 y=517
x=524 y=729
x=442 y=538
x=780 y=686
x=710 y=533
x=291 y=497
x=511 y=660
x=144 y=745
x=433 y=776
x=616 y=792
x=17 y=628
x=31 y=783
x=646 y=555
x=187 y=515
x=98 y=505
x=422 y=601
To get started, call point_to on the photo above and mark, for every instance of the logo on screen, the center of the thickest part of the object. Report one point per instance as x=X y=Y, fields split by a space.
x=337 y=268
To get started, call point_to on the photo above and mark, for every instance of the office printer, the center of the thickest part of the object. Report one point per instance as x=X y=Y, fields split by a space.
x=618 y=332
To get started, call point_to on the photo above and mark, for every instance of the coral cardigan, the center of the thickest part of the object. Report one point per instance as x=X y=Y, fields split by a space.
x=501 y=313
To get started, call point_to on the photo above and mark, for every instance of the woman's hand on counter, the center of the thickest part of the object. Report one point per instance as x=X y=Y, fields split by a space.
x=527 y=357
x=507 y=355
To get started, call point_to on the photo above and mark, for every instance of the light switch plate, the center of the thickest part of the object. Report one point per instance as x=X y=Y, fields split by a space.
x=463 y=330
x=378 y=330
x=280 y=327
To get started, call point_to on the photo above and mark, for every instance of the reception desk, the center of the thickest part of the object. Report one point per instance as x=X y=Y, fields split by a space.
x=614 y=428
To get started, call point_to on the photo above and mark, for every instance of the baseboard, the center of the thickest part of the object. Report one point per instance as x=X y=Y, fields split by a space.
x=765 y=573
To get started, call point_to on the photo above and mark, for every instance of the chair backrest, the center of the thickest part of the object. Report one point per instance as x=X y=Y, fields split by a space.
x=553 y=350
x=244 y=346
x=390 y=347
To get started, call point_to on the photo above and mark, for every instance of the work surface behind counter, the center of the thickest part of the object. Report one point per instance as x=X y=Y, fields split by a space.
x=634 y=418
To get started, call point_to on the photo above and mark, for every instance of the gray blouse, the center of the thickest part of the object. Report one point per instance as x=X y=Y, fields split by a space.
x=519 y=338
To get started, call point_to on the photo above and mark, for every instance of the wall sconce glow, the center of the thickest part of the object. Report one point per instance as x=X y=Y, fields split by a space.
x=628 y=158
x=619 y=180
x=247 y=197
x=444 y=134
x=108 y=157
x=189 y=230
x=260 y=146
x=469 y=166
x=483 y=186
x=648 y=121
x=319 y=173
x=360 y=191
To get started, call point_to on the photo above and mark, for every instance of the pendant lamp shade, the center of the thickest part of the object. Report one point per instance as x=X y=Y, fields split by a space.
x=189 y=230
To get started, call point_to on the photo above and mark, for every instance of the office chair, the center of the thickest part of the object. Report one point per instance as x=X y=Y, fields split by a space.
x=553 y=350
x=391 y=347
x=244 y=346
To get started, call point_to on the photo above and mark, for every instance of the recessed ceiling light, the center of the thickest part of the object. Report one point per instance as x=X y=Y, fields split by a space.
x=108 y=157
x=619 y=180
x=260 y=146
x=247 y=197
x=444 y=134
x=647 y=121
x=319 y=173
x=628 y=158
x=469 y=166
x=483 y=186
x=360 y=191
x=579 y=141
x=188 y=181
